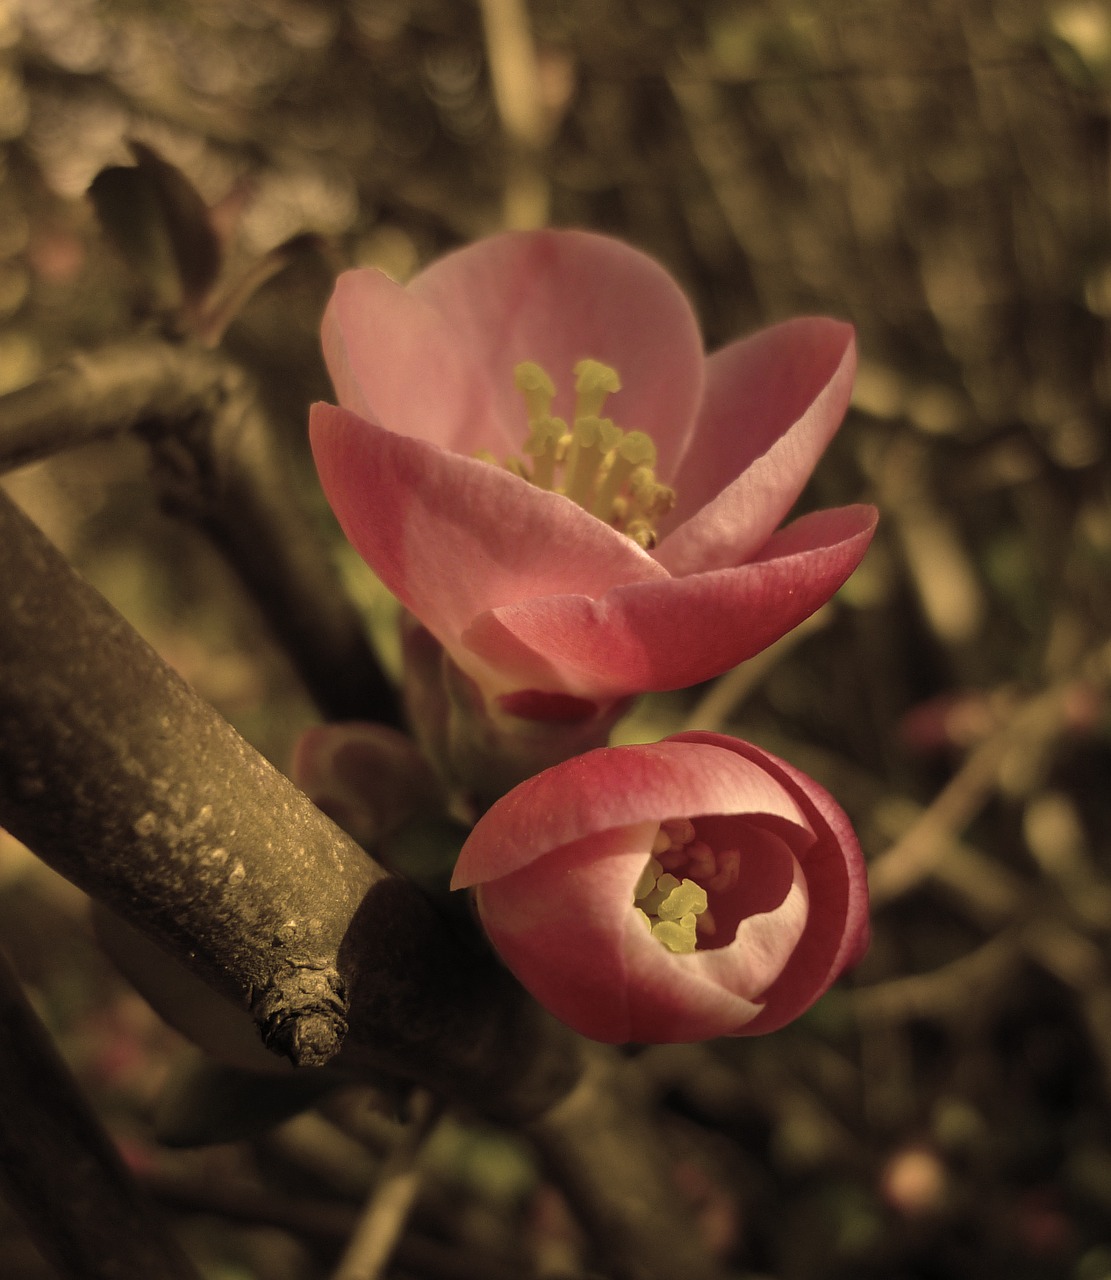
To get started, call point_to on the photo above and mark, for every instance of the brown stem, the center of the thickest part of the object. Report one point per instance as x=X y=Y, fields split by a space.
x=604 y=1148
x=61 y=1171
x=114 y=772
x=215 y=464
x=122 y=779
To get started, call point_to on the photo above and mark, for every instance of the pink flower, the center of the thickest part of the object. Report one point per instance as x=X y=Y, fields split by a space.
x=765 y=906
x=554 y=611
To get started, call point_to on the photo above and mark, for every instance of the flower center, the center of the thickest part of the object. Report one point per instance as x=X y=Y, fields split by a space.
x=673 y=892
x=605 y=470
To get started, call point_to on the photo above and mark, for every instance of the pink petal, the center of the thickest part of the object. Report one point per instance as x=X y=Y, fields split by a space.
x=672 y=633
x=773 y=402
x=396 y=361
x=719 y=992
x=566 y=927
x=837 y=929
x=615 y=787
x=773 y=914
x=674 y=999
x=557 y=925
x=451 y=536
x=556 y=297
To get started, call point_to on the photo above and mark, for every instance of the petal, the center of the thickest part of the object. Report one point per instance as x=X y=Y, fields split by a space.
x=396 y=361
x=773 y=402
x=615 y=787
x=719 y=992
x=451 y=536
x=674 y=999
x=566 y=927
x=773 y=910
x=671 y=633
x=837 y=927
x=556 y=297
x=558 y=924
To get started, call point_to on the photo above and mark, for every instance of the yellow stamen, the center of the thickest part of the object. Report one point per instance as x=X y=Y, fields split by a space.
x=677 y=910
x=543 y=444
x=671 y=907
x=648 y=877
x=651 y=498
x=632 y=451
x=641 y=533
x=679 y=936
x=591 y=440
x=537 y=387
x=593 y=381
x=687 y=899
x=606 y=471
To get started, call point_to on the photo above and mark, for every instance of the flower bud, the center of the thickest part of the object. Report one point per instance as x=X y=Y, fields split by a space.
x=692 y=888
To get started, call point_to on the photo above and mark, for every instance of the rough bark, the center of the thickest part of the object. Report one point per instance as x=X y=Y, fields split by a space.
x=122 y=779
x=114 y=772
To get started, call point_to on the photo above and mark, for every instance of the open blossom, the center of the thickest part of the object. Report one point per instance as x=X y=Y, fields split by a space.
x=535 y=456
x=692 y=888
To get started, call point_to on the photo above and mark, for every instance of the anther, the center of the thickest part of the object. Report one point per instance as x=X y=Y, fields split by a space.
x=537 y=388
x=593 y=382
x=606 y=471
x=633 y=451
x=592 y=438
x=543 y=443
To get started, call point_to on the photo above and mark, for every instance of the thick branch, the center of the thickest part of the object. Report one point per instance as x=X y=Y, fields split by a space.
x=216 y=465
x=58 y=1167
x=604 y=1147
x=119 y=776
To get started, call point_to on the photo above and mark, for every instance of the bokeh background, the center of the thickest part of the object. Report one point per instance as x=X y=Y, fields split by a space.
x=935 y=171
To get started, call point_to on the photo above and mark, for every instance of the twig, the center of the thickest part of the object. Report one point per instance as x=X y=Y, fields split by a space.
x=942 y=992
x=216 y=465
x=724 y=697
x=61 y=1171
x=515 y=75
x=122 y=779
x=325 y=1221
x=383 y=1219
x=605 y=1150
x=1034 y=723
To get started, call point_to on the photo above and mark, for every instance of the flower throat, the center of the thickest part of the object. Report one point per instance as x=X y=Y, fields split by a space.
x=605 y=470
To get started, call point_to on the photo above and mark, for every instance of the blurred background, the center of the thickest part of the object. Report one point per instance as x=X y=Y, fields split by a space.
x=935 y=171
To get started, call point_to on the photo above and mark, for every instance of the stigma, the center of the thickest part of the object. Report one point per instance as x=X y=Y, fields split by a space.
x=605 y=470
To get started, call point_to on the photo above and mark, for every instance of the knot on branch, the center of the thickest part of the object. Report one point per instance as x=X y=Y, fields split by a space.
x=195 y=452
x=302 y=1013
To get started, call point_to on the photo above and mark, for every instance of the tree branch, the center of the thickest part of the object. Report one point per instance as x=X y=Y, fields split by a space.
x=605 y=1149
x=216 y=465
x=57 y=1166
x=116 y=774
